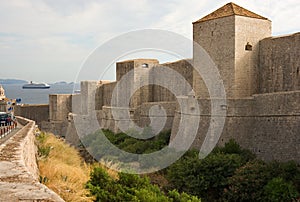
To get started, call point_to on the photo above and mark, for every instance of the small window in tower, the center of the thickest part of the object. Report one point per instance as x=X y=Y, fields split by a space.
x=145 y=65
x=248 y=47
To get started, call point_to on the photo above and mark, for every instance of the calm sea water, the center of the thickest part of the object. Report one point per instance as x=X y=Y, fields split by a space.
x=37 y=96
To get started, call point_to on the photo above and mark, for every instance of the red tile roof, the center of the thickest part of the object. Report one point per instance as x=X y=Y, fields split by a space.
x=229 y=10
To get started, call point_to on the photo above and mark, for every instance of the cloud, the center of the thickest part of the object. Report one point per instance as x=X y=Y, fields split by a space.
x=41 y=37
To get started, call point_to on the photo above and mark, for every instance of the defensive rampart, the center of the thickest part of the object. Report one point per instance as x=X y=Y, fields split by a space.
x=18 y=168
x=267 y=124
x=37 y=113
x=279 y=68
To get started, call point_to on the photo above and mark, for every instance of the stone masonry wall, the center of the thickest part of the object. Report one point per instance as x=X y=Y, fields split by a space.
x=279 y=68
x=38 y=113
x=60 y=105
x=217 y=37
x=184 y=68
x=107 y=90
x=18 y=168
x=144 y=114
x=276 y=126
x=248 y=31
x=267 y=124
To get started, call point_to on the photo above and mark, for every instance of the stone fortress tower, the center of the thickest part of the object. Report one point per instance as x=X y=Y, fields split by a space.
x=231 y=37
x=140 y=69
x=261 y=77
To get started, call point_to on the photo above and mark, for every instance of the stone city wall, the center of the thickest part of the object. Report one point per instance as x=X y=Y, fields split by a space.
x=267 y=124
x=163 y=94
x=105 y=96
x=276 y=126
x=150 y=93
x=279 y=67
x=19 y=175
x=38 y=113
x=60 y=105
x=146 y=112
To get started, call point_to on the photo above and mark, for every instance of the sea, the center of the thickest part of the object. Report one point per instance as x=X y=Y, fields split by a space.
x=37 y=96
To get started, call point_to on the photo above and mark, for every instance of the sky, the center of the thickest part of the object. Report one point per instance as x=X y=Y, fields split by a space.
x=49 y=40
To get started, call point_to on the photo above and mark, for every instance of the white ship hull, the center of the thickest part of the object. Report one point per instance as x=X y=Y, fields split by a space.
x=36 y=86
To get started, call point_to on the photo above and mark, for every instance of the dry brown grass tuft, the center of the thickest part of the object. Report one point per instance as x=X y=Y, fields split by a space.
x=63 y=170
x=110 y=167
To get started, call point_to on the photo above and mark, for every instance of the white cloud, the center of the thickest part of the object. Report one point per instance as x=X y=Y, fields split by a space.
x=41 y=37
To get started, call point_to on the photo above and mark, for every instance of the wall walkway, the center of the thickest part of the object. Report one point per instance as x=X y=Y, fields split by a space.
x=18 y=168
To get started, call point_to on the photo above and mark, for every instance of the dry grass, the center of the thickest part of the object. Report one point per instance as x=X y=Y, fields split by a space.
x=110 y=167
x=63 y=170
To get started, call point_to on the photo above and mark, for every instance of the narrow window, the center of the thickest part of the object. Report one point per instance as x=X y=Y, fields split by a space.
x=248 y=47
x=145 y=65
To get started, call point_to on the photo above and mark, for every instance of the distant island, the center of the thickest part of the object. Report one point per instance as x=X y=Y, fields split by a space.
x=12 y=81
x=62 y=83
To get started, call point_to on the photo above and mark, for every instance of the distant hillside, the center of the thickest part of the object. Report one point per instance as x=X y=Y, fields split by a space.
x=12 y=81
x=60 y=83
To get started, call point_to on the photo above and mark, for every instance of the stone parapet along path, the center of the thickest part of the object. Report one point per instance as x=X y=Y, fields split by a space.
x=18 y=168
x=7 y=132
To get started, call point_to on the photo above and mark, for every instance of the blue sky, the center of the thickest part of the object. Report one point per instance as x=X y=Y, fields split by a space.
x=48 y=40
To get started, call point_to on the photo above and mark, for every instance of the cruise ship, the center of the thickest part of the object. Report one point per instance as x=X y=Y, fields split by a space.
x=33 y=85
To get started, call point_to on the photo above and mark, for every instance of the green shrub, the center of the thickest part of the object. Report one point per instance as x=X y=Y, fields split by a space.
x=206 y=178
x=94 y=143
x=232 y=147
x=278 y=189
x=41 y=138
x=229 y=173
x=133 y=181
x=184 y=197
x=248 y=182
x=289 y=171
x=128 y=187
x=43 y=151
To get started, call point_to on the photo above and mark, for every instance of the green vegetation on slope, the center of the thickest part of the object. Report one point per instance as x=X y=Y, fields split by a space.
x=63 y=170
x=129 y=187
x=229 y=173
x=234 y=174
x=126 y=142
